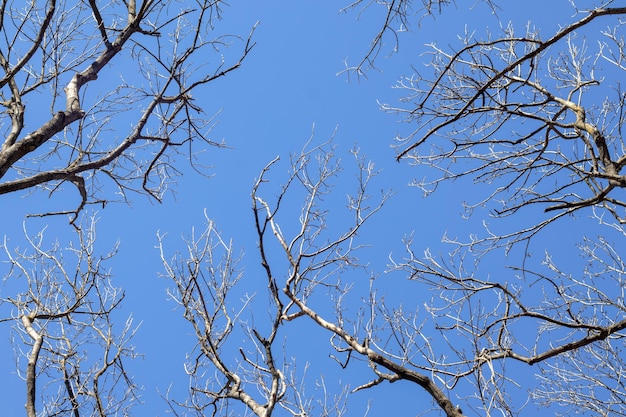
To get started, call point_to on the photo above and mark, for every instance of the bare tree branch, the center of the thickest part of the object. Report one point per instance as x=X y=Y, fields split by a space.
x=77 y=143
x=64 y=312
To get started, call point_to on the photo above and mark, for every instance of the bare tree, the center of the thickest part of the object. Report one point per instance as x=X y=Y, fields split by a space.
x=303 y=263
x=532 y=120
x=65 y=315
x=525 y=111
x=70 y=69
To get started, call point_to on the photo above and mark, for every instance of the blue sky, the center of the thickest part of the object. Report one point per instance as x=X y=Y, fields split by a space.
x=289 y=88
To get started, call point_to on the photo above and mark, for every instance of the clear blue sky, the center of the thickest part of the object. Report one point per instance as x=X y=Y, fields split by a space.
x=268 y=107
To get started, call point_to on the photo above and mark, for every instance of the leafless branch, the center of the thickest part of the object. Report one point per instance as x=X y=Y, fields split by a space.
x=78 y=144
x=63 y=312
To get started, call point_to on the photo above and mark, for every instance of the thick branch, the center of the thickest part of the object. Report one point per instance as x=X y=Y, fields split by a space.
x=577 y=344
x=31 y=370
x=401 y=371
